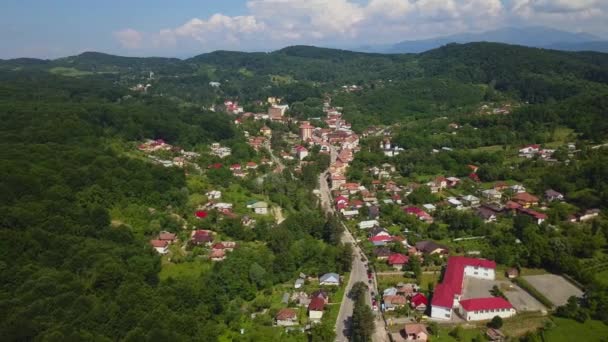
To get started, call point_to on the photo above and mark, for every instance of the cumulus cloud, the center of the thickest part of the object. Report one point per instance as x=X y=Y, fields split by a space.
x=272 y=23
x=129 y=38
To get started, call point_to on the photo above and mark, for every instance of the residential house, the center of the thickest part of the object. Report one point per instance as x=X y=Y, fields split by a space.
x=382 y=253
x=470 y=201
x=453 y=202
x=452 y=181
x=217 y=255
x=332 y=279
x=589 y=215
x=266 y=131
x=419 y=302
x=431 y=247
x=397 y=260
x=287 y=317
x=429 y=207
x=486 y=214
x=392 y=302
x=320 y=294
x=415 y=332
x=337 y=180
x=517 y=188
x=491 y=195
x=421 y=214
x=538 y=217
x=251 y=165
x=529 y=151
x=377 y=231
x=161 y=246
x=381 y=240
x=214 y=194
x=166 y=236
x=501 y=186
x=298 y=283
x=368 y=224
x=525 y=199
x=259 y=207
x=301 y=152
x=315 y=309
x=201 y=237
x=552 y=195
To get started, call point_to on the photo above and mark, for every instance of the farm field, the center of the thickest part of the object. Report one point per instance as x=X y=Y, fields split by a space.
x=568 y=330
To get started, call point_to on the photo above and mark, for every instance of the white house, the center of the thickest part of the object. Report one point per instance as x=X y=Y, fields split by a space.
x=260 y=207
x=479 y=309
x=492 y=195
x=214 y=194
x=332 y=279
x=368 y=224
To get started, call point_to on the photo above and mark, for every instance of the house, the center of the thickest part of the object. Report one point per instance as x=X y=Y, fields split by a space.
x=512 y=273
x=251 y=165
x=259 y=207
x=407 y=290
x=166 y=236
x=320 y=294
x=301 y=152
x=470 y=201
x=382 y=253
x=491 y=194
x=452 y=181
x=201 y=237
x=529 y=151
x=332 y=279
x=391 y=302
x=214 y=194
x=266 y=131
x=501 y=186
x=368 y=224
x=431 y=247
x=225 y=245
x=389 y=291
x=525 y=199
x=552 y=195
x=337 y=180
x=377 y=231
x=315 y=309
x=453 y=202
x=217 y=255
x=415 y=332
x=429 y=207
x=589 y=215
x=287 y=317
x=381 y=240
x=161 y=246
x=373 y=212
x=397 y=260
x=517 y=188
x=539 y=217
x=448 y=293
x=419 y=302
x=486 y=214
x=479 y=309
x=421 y=214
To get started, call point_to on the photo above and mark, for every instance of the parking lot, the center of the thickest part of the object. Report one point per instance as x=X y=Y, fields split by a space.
x=520 y=299
x=554 y=287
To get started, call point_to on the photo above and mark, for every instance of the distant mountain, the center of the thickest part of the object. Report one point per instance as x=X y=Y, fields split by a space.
x=598 y=46
x=534 y=36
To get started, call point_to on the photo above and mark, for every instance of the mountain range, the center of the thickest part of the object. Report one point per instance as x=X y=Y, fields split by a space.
x=533 y=36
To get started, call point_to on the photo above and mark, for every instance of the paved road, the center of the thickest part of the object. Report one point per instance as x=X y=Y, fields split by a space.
x=358 y=270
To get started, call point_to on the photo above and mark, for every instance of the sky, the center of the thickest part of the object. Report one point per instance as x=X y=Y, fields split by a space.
x=183 y=28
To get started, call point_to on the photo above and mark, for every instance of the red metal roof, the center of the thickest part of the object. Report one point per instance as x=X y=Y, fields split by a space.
x=489 y=303
x=419 y=299
x=398 y=259
x=158 y=243
x=201 y=214
x=316 y=304
x=453 y=277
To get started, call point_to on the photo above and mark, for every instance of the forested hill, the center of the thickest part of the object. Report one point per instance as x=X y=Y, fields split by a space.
x=473 y=62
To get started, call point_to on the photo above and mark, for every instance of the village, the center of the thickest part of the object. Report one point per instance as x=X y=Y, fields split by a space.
x=407 y=291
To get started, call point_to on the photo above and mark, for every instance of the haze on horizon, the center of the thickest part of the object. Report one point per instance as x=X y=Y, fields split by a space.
x=46 y=29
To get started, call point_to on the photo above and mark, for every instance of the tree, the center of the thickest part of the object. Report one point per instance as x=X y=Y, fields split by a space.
x=363 y=323
x=496 y=322
x=433 y=328
x=457 y=333
x=323 y=332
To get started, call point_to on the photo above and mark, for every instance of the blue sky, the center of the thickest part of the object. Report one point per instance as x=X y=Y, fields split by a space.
x=56 y=28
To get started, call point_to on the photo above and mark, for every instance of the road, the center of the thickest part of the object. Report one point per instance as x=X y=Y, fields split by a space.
x=358 y=271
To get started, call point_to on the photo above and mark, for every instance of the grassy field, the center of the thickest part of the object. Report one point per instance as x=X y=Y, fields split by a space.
x=186 y=270
x=567 y=330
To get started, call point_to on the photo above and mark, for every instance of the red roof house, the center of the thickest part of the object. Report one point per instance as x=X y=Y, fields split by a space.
x=397 y=259
x=419 y=301
x=316 y=304
x=201 y=214
x=490 y=303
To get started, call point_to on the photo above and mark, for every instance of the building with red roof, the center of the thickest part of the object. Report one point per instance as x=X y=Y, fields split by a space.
x=479 y=309
x=419 y=302
x=161 y=246
x=397 y=260
x=448 y=294
x=315 y=309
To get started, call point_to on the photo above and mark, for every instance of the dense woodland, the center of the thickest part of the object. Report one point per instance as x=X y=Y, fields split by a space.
x=69 y=272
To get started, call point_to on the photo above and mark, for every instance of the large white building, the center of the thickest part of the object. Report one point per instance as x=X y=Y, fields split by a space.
x=448 y=294
x=479 y=309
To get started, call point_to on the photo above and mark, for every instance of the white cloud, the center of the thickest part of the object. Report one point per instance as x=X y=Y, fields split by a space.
x=273 y=23
x=129 y=38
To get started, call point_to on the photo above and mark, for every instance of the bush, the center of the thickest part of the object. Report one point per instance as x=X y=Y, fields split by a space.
x=496 y=322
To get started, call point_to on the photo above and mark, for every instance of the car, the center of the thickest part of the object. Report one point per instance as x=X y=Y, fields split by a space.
x=369 y=281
